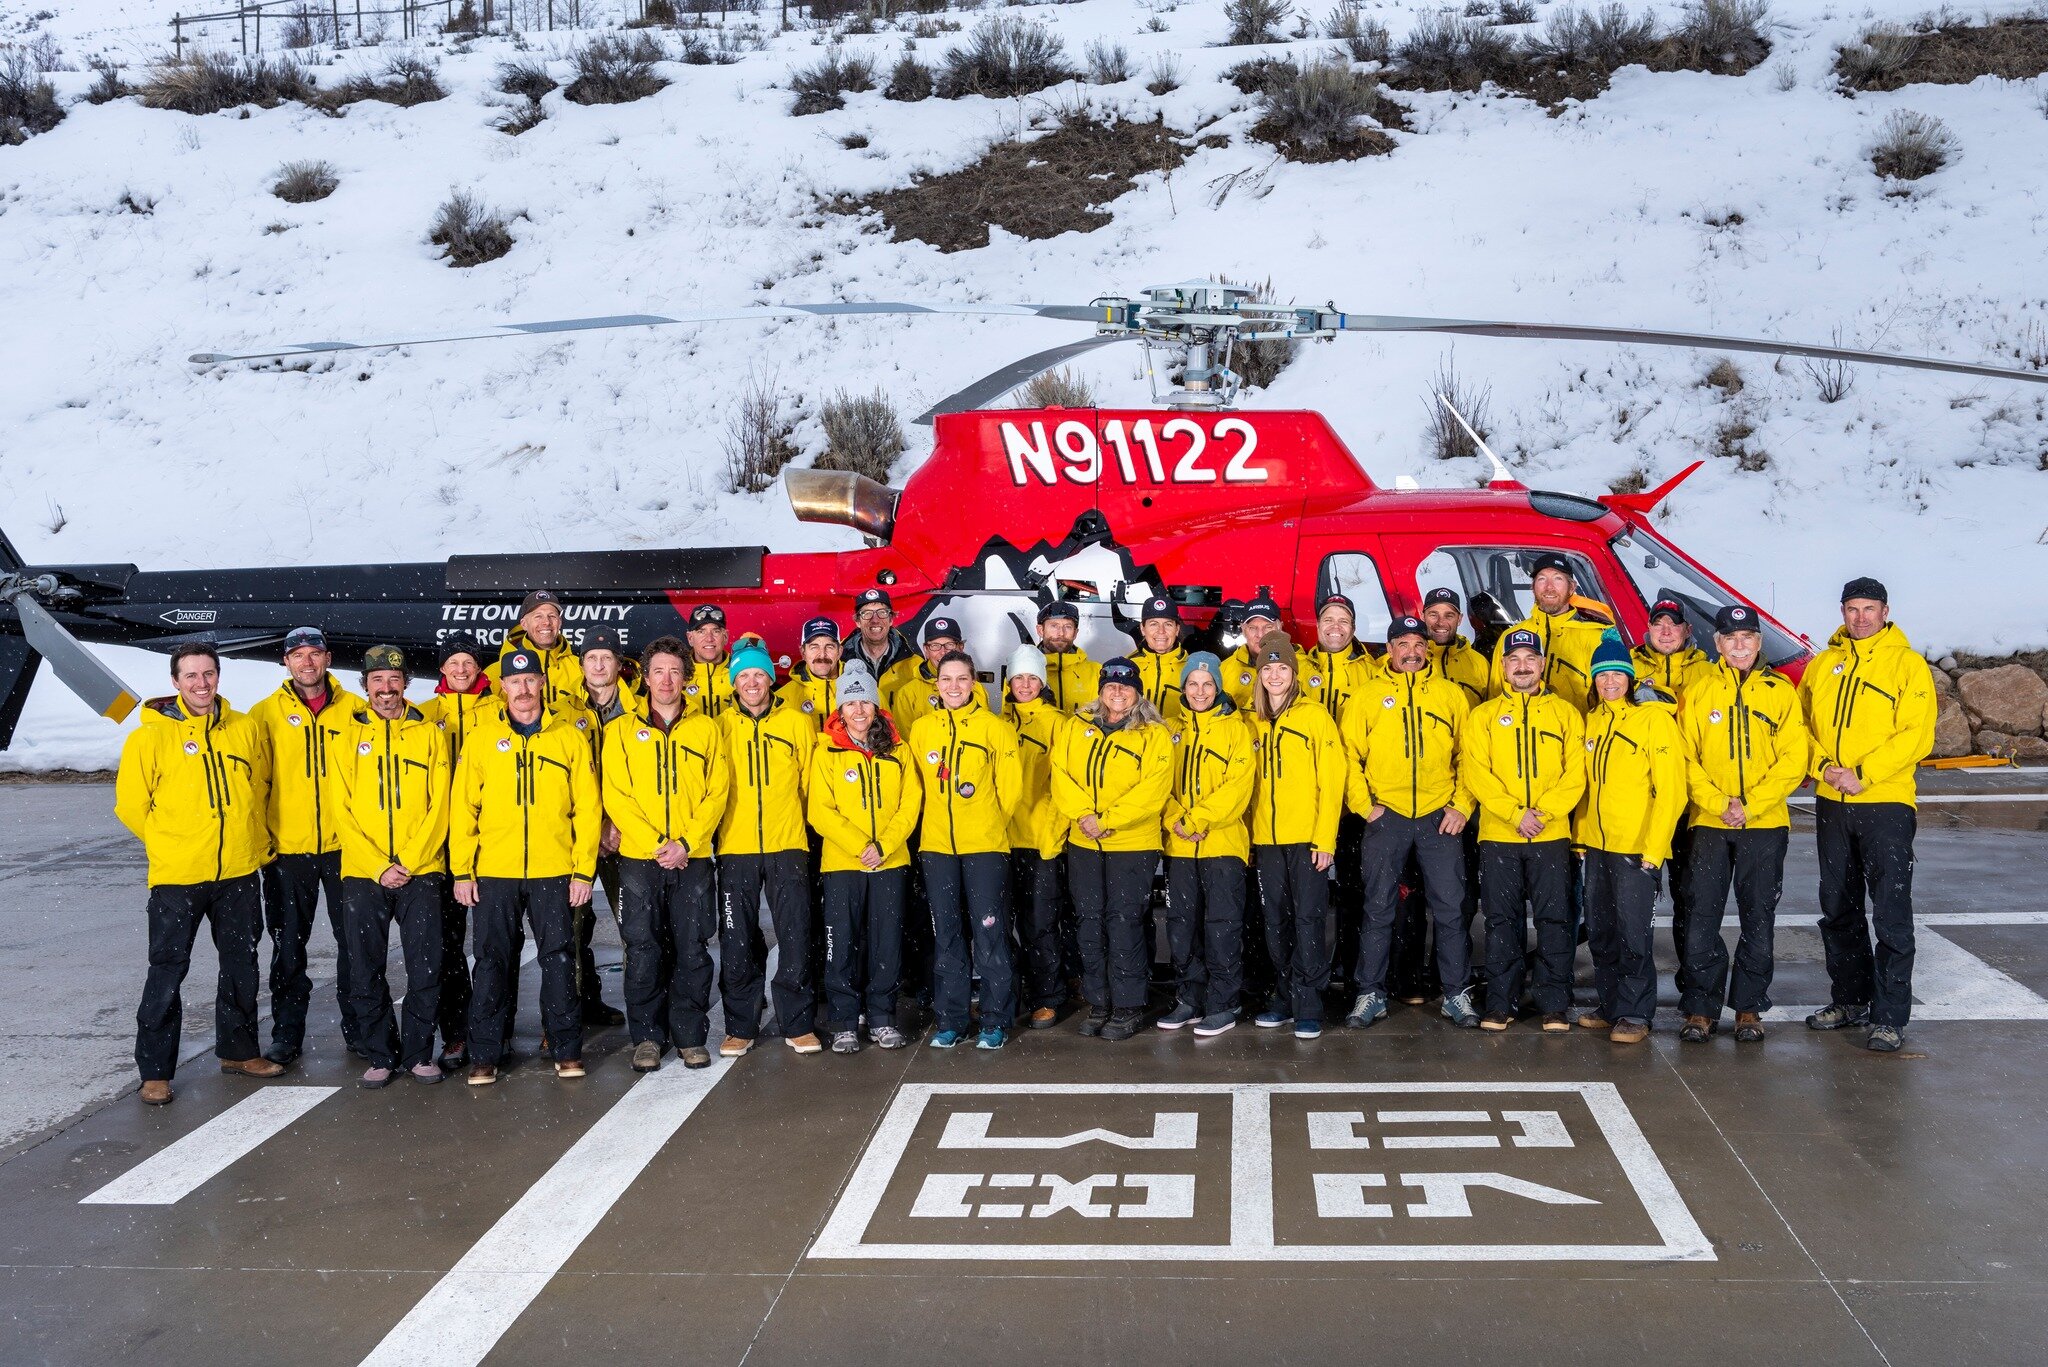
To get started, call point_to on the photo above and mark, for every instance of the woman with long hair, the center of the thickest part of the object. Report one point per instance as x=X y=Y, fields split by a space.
x=1207 y=846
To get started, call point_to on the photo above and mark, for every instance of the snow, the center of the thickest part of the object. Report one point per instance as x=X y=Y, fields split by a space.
x=115 y=449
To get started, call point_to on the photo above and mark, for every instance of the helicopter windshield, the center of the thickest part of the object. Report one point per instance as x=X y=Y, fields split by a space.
x=1659 y=571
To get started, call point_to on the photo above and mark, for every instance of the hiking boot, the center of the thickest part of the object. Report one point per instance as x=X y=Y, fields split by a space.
x=1884 y=1039
x=1497 y=1020
x=1370 y=1007
x=1121 y=1025
x=1749 y=1027
x=1273 y=1017
x=595 y=1012
x=1215 y=1023
x=992 y=1038
x=568 y=1067
x=806 y=1043
x=1696 y=1029
x=845 y=1041
x=156 y=1092
x=283 y=1055
x=1042 y=1018
x=251 y=1067
x=1556 y=1023
x=455 y=1057
x=888 y=1037
x=646 y=1057
x=732 y=1046
x=427 y=1074
x=1092 y=1023
x=482 y=1074
x=694 y=1056
x=1459 y=1011
x=1182 y=1014
x=946 y=1039
x=1838 y=1017
x=1308 y=1029
x=1629 y=1032
x=1593 y=1020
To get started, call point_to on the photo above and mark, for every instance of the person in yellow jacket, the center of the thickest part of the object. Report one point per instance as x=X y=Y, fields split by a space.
x=1070 y=676
x=522 y=842
x=610 y=694
x=1300 y=793
x=1038 y=835
x=1635 y=794
x=194 y=788
x=864 y=802
x=709 y=691
x=1746 y=750
x=813 y=685
x=1451 y=656
x=1522 y=757
x=666 y=782
x=1668 y=661
x=764 y=852
x=392 y=784
x=1401 y=746
x=539 y=631
x=1208 y=847
x=967 y=757
x=917 y=697
x=1570 y=628
x=1241 y=666
x=305 y=721
x=876 y=643
x=462 y=701
x=1869 y=702
x=1160 y=657
x=1336 y=667
x=1112 y=771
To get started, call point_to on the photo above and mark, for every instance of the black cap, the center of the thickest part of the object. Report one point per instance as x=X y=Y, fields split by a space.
x=1405 y=626
x=706 y=615
x=1160 y=610
x=538 y=598
x=1337 y=600
x=383 y=657
x=520 y=661
x=1442 y=595
x=462 y=643
x=1551 y=560
x=820 y=628
x=1736 y=617
x=299 y=637
x=1059 y=607
x=1262 y=606
x=1122 y=671
x=1669 y=607
x=868 y=598
x=1521 y=638
x=939 y=627
x=1861 y=587
x=602 y=638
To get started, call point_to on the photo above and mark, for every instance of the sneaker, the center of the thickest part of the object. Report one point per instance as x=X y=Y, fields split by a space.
x=1593 y=1020
x=1838 y=1017
x=1629 y=1032
x=1497 y=1020
x=646 y=1056
x=733 y=1046
x=1121 y=1025
x=991 y=1038
x=845 y=1042
x=374 y=1077
x=1215 y=1024
x=1884 y=1039
x=694 y=1056
x=888 y=1037
x=1749 y=1027
x=1042 y=1018
x=568 y=1067
x=1458 y=1010
x=482 y=1074
x=1308 y=1029
x=1556 y=1023
x=1182 y=1014
x=1092 y=1023
x=946 y=1039
x=455 y=1057
x=1273 y=1018
x=1370 y=1007
x=1696 y=1029
x=428 y=1073
x=806 y=1043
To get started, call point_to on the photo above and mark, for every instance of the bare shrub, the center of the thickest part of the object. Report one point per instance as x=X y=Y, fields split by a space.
x=1365 y=39
x=1163 y=76
x=1320 y=110
x=1832 y=380
x=1108 y=63
x=471 y=233
x=522 y=118
x=1883 y=51
x=1517 y=12
x=107 y=85
x=757 y=438
x=28 y=103
x=1060 y=388
x=1607 y=39
x=909 y=81
x=820 y=86
x=526 y=77
x=303 y=182
x=1448 y=439
x=142 y=206
x=208 y=82
x=1003 y=56
x=1443 y=52
x=1259 y=363
x=406 y=80
x=615 y=70
x=1723 y=36
x=1633 y=482
x=1255 y=21
x=862 y=434
x=1912 y=145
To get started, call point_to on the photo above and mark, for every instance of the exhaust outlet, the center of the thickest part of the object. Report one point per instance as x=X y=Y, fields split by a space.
x=842 y=499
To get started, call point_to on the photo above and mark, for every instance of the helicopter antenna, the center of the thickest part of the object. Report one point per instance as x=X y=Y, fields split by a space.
x=1501 y=472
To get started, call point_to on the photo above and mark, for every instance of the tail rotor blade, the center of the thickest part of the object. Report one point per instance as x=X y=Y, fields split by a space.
x=79 y=668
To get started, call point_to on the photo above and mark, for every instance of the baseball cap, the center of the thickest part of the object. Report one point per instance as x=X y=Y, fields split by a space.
x=1441 y=595
x=519 y=662
x=1059 y=607
x=1338 y=600
x=868 y=598
x=1160 y=610
x=1262 y=606
x=1405 y=626
x=1521 y=639
x=820 y=628
x=1668 y=607
x=1736 y=617
x=538 y=598
x=1864 y=587
x=707 y=615
x=1551 y=560
x=941 y=628
x=383 y=657
x=299 y=637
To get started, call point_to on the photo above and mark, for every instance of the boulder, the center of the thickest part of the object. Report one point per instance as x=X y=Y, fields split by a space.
x=1944 y=686
x=2010 y=699
x=2018 y=747
x=1951 y=729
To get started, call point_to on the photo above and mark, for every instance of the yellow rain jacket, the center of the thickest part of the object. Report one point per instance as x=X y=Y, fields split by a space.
x=1071 y=679
x=1521 y=752
x=1241 y=678
x=972 y=779
x=196 y=792
x=918 y=697
x=1745 y=738
x=561 y=670
x=1463 y=666
x=1302 y=773
x=770 y=757
x=525 y=806
x=1569 y=640
x=460 y=714
x=1121 y=777
x=897 y=667
x=393 y=781
x=815 y=698
x=664 y=783
x=857 y=798
x=1159 y=672
x=303 y=751
x=1635 y=780
x=1331 y=679
x=1674 y=673
x=1214 y=774
x=1035 y=821
x=708 y=692
x=1401 y=740
x=1870 y=708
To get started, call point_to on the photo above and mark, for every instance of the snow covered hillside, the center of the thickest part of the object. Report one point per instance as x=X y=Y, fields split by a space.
x=1744 y=205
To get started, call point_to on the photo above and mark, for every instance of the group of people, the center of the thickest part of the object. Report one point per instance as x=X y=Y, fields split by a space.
x=910 y=836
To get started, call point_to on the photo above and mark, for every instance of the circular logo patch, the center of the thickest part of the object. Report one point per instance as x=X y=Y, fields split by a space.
x=505 y=743
x=191 y=747
x=931 y=757
x=808 y=706
x=1838 y=669
x=1506 y=720
x=932 y=702
x=1715 y=716
x=967 y=790
x=1389 y=702
x=853 y=775
x=1244 y=678
x=364 y=748
x=1315 y=681
x=1176 y=738
x=643 y=733
x=295 y=720
x=691 y=690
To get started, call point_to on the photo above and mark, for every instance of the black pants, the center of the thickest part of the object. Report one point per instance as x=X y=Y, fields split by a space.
x=234 y=907
x=292 y=886
x=1110 y=889
x=784 y=877
x=667 y=920
x=496 y=939
x=1754 y=861
x=1394 y=844
x=863 y=946
x=368 y=909
x=454 y=967
x=1035 y=896
x=1621 y=896
x=1347 y=898
x=1866 y=858
x=1205 y=931
x=1515 y=881
x=970 y=897
x=607 y=886
x=1294 y=899
x=1678 y=871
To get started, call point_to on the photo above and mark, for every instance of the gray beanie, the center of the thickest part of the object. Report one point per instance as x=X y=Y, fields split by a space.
x=857 y=685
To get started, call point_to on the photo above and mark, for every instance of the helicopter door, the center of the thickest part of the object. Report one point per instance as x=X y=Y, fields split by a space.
x=1492 y=582
x=1349 y=565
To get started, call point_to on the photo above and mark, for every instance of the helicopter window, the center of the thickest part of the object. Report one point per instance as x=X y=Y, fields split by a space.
x=1357 y=577
x=1494 y=582
x=1658 y=571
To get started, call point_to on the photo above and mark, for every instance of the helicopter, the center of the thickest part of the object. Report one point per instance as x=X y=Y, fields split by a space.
x=1104 y=507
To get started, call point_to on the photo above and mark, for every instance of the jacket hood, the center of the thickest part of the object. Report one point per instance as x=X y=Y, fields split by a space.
x=835 y=732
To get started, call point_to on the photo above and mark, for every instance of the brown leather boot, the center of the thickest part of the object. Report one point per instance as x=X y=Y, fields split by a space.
x=1629 y=1032
x=251 y=1067
x=1042 y=1018
x=156 y=1092
x=1593 y=1020
x=1749 y=1027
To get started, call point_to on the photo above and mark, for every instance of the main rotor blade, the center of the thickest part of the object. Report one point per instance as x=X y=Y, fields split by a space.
x=1568 y=332
x=79 y=668
x=1075 y=313
x=994 y=385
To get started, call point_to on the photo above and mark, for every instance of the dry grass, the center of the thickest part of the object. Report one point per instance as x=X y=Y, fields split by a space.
x=406 y=80
x=1448 y=440
x=909 y=80
x=1255 y=21
x=1058 y=388
x=522 y=118
x=304 y=182
x=1912 y=145
x=107 y=85
x=1163 y=76
x=1724 y=377
x=1321 y=111
x=28 y=103
x=615 y=70
x=528 y=78
x=470 y=233
x=2014 y=48
x=862 y=434
x=1366 y=40
x=208 y=82
x=819 y=87
x=1108 y=63
x=1004 y=56
x=1037 y=189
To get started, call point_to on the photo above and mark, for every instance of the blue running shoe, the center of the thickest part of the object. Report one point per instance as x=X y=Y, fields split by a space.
x=1370 y=1007
x=946 y=1039
x=1273 y=1019
x=991 y=1038
x=1308 y=1029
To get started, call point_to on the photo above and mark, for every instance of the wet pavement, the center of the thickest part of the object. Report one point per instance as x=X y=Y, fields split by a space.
x=1411 y=1191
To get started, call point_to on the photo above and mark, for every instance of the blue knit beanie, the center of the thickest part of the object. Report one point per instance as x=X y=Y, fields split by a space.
x=1611 y=653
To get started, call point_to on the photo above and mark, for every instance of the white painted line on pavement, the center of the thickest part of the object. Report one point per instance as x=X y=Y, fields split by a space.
x=177 y=1171
x=1945 y=798
x=1921 y=919
x=462 y=1318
